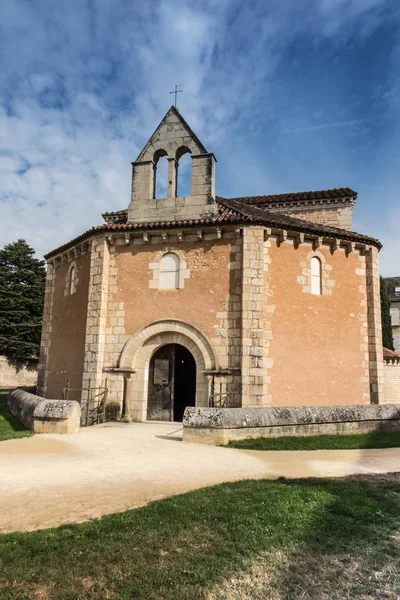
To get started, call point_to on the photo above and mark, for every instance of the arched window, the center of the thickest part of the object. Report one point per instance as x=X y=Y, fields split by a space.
x=160 y=174
x=169 y=272
x=72 y=280
x=316 y=276
x=184 y=171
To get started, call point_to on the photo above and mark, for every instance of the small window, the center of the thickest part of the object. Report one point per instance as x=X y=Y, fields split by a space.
x=315 y=276
x=72 y=280
x=169 y=272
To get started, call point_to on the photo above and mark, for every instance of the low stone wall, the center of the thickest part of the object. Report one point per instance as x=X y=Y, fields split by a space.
x=220 y=425
x=17 y=374
x=44 y=416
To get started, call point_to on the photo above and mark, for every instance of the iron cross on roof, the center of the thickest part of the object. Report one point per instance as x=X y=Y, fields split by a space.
x=176 y=92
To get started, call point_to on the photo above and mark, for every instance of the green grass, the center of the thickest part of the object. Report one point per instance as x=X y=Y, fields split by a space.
x=322 y=442
x=9 y=427
x=329 y=539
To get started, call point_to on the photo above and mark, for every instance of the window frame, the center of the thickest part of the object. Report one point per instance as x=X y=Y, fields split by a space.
x=175 y=272
x=316 y=278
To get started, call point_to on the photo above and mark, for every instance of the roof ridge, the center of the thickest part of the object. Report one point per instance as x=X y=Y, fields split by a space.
x=330 y=192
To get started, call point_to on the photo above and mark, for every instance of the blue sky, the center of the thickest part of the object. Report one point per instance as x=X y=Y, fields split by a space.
x=290 y=95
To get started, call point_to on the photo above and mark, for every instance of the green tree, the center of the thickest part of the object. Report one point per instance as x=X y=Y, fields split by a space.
x=22 y=282
x=387 y=332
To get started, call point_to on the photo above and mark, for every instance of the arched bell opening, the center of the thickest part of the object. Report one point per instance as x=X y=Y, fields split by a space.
x=183 y=159
x=160 y=183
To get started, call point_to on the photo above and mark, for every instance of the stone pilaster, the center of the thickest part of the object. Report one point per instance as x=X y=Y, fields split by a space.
x=46 y=331
x=96 y=320
x=172 y=177
x=252 y=331
x=374 y=327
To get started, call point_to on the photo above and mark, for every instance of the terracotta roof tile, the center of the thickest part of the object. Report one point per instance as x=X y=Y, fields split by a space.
x=229 y=211
x=390 y=356
x=334 y=193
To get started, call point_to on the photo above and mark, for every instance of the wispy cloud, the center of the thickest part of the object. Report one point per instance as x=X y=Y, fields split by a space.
x=83 y=84
x=327 y=126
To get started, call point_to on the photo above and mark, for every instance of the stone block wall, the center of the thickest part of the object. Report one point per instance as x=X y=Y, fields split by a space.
x=336 y=217
x=17 y=374
x=44 y=416
x=391 y=387
x=216 y=426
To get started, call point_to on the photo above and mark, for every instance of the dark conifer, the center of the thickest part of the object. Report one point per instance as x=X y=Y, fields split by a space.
x=22 y=282
x=387 y=332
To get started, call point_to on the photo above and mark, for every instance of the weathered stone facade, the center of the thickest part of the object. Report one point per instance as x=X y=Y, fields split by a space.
x=219 y=426
x=244 y=302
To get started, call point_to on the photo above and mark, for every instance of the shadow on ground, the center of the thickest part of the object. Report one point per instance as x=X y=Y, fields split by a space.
x=287 y=539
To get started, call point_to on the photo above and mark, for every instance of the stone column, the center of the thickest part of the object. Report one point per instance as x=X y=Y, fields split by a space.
x=46 y=330
x=96 y=313
x=128 y=378
x=172 y=177
x=252 y=332
x=143 y=189
x=374 y=327
x=203 y=177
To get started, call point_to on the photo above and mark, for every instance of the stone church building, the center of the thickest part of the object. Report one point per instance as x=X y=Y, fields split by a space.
x=203 y=300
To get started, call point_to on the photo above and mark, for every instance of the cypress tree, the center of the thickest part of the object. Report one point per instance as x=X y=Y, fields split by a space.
x=22 y=282
x=387 y=332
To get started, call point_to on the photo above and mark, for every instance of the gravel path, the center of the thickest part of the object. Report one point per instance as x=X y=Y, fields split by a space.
x=49 y=480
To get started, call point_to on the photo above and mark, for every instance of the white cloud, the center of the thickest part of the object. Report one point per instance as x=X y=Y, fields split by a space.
x=83 y=85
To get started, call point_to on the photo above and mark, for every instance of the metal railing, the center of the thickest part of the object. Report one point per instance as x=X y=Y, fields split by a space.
x=218 y=398
x=93 y=403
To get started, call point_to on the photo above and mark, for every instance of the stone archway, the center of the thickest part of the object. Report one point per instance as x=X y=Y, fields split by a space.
x=141 y=346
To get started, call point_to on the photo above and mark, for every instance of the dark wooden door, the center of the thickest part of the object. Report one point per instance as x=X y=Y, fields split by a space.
x=161 y=384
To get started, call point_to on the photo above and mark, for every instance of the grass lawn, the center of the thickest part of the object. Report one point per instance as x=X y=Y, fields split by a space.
x=329 y=539
x=9 y=427
x=322 y=442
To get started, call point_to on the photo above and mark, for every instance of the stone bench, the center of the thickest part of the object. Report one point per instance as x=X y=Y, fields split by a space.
x=220 y=425
x=44 y=416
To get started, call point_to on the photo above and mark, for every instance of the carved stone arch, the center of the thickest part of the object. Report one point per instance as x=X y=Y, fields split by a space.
x=181 y=151
x=158 y=154
x=141 y=346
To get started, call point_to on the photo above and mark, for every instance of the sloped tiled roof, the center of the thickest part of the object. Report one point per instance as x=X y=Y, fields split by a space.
x=333 y=194
x=390 y=356
x=229 y=211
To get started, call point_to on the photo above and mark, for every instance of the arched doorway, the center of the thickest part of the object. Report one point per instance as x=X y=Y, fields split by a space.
x=172 y=383
x=142 y=345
